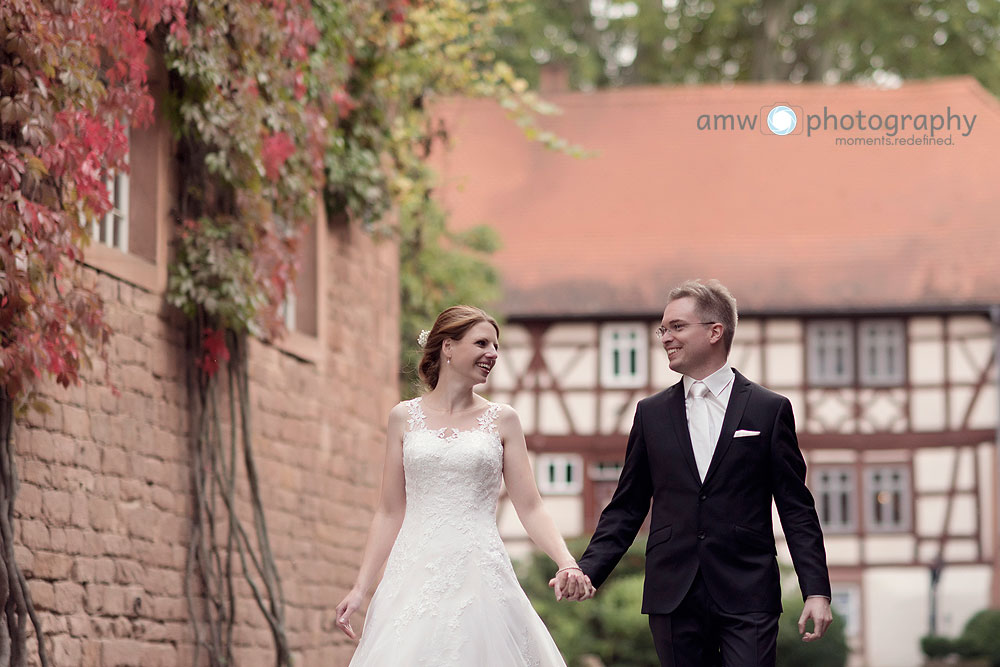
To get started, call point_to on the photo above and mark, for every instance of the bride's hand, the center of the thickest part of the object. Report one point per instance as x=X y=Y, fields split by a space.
x=572 y=584
x=346 y=609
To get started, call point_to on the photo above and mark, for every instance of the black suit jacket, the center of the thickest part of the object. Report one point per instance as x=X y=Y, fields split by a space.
x=722 y=526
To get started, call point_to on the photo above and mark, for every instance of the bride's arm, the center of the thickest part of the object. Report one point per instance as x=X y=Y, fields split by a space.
x=385 y=524
x=531 y=510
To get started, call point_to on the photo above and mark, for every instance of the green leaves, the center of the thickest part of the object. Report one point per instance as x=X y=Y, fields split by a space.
x=697 y=41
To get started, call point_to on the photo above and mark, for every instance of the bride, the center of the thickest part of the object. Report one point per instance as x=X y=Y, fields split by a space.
x=449 y=596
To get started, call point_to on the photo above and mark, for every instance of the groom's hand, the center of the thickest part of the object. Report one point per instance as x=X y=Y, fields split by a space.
x=572 y=585
x=818 y=609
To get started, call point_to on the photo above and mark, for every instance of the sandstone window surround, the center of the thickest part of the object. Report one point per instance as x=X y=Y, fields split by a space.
x=131 y=243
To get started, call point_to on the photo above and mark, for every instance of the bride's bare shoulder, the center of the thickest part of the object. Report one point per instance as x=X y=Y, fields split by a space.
x=400 y=412
x=507 y=415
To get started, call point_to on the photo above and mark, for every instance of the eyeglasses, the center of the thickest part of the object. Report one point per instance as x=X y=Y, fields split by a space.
x=676 y=328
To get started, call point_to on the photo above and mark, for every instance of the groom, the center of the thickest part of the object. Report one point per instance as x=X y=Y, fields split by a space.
x=710 y=453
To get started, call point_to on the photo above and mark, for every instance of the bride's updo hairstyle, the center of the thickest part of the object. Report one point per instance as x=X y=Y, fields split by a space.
x=452 y=323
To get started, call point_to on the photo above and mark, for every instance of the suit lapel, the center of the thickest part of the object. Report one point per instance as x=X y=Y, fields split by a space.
x=677 y=415
x=738 y=399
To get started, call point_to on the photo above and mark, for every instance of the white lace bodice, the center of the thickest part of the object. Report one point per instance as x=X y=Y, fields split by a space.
x=452 y=475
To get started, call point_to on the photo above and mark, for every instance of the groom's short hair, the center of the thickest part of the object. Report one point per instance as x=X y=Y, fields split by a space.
x=714 y=302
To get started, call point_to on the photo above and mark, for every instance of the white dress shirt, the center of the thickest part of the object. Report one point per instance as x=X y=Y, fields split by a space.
x=720 y=386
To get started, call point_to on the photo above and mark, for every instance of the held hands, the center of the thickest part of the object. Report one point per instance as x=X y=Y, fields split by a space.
x=346 y=609
x=818 y=609
x=572 y=584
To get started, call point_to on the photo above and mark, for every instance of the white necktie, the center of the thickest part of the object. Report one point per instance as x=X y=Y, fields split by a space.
x=700 y=427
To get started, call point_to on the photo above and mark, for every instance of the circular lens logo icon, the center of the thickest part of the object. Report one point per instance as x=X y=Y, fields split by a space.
x=781 y=120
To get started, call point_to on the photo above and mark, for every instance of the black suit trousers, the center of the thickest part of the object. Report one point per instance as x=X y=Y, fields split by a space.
x=699 y=634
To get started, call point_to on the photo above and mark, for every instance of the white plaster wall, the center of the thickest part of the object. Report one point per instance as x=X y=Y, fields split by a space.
x=986 y=468
x=551 y=415
x=895 y=608
x=926 y=362
x=960 y=399
x=583 y=409
x=571 y=333
x=573 y=368
x=783 y=329
x=882 y=410
x=984 y=412
x=842 y=549
x=962 y=592
x=932 y=468
x=927 y=409
x=832 y=411
x=888 y=548
x=617 y=411
x=524 y=403
x=968 y=358
x=969 y=325
x=926 y=328
x=783 y=367
x=567 y=512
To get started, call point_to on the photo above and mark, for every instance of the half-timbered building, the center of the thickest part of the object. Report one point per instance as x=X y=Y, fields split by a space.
x=869 y=291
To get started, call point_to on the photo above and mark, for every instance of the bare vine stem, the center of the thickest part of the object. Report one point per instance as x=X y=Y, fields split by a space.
x=211 y=556
x=15 y=597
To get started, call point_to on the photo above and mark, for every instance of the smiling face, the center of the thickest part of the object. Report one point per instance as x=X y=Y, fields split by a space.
x=694 y=348
x=474 y=354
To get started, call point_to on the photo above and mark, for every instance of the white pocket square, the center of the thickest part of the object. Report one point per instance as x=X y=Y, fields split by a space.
x=745 y=434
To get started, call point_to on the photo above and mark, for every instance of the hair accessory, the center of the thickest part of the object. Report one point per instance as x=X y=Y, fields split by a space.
x=422 y=338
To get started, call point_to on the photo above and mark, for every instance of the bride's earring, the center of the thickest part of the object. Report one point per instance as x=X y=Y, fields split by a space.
x=448 y=360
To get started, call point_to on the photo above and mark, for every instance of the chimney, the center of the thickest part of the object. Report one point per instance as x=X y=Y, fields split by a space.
x=553 y=77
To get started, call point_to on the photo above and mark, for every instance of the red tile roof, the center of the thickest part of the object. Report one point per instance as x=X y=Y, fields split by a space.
x=788 y=223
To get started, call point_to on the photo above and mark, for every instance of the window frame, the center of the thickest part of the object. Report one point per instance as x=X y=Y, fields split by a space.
x=879 y=378
x=848 y=524
x=851 y=616
x=816 y=369
x=609 y=346
x=905 y=523
x=545 y=463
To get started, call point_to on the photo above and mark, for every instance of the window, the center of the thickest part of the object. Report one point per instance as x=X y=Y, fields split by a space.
x=831 y=353
x=887 y=499
x=300 y=309
x=846 y=601
x=559 y=474
x=606 y=471
x=881 y=352
x=880 y=357
x=112 y=230
x=288 y=308
x=835 y=494
x=131 y=242
x=624 y=355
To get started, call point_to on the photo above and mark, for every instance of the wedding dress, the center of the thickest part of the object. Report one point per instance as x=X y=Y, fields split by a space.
x=449 y=596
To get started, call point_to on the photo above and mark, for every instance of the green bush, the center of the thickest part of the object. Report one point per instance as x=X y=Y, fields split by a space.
x=981 y=637
x=935 y=646
x=830 y=651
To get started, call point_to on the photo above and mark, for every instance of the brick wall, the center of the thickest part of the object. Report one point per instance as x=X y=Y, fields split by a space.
x=104 y=504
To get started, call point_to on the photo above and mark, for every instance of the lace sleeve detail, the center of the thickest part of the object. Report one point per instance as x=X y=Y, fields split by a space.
x=416 y=420
x=488 y=420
